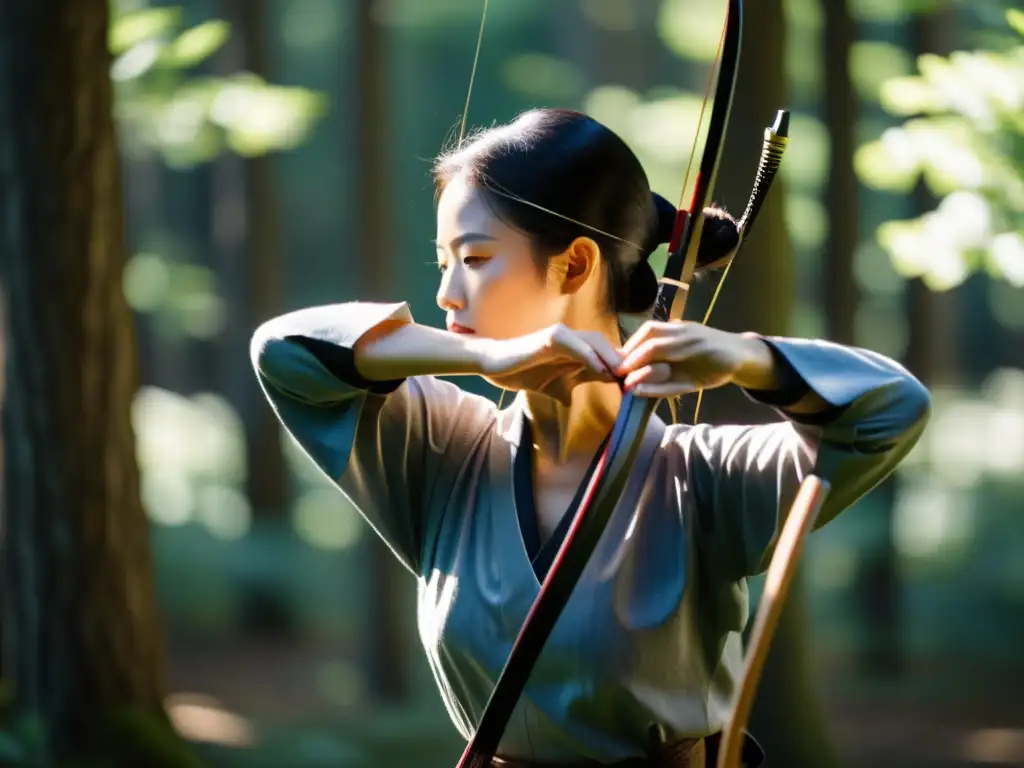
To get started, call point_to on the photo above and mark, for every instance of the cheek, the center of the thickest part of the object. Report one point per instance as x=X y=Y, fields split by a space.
x=507 y=303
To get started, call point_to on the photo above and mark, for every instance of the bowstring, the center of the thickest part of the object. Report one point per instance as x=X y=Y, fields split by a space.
x=707 y=316
x=700 y=124
x=584 y=225
x=472 y=73
x=725 y=272
x=465 y=108
x=682 y=197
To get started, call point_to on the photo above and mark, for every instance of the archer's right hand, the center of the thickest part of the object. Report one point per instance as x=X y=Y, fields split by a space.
x=551 y=361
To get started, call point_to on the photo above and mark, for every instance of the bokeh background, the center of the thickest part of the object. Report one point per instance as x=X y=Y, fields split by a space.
x=275 y=154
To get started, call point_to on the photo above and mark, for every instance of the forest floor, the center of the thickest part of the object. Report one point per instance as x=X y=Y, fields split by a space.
x=271 y=704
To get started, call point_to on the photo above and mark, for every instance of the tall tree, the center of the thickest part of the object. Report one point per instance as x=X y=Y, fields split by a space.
x=759 y=296
x=931 y=315
x=876 y=582
x=246 y=238
x=82 y=621
x=383 y=646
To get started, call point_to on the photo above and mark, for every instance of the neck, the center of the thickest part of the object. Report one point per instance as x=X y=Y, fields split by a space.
x=566 y=432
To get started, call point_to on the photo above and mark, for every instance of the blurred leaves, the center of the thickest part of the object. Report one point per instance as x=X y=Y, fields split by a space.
x=543 y=77
x=133 y=28
x=191 y=453
x=964 y=137
x=189 y=119
x=183 y=298
x=690 y=30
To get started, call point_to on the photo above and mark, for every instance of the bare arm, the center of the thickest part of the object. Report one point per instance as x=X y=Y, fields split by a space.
x=396 y=349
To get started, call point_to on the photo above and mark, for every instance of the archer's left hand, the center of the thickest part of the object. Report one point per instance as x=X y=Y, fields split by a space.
x=670 y=359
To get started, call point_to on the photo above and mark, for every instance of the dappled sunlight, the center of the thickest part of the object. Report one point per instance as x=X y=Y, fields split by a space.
x=932 y=522
x=259 y=117
x=191 y=457
x=806 y=220
x=692 y=28
x=1008 y=257
x=873 y=63
x=806 y=164
x=325 y=519
x=192 y=121
x=292 y=634
x=136 y=61
x=202 y=718
x=971 y=438
x=994 y=746
x=960 y=136
x=182 y=297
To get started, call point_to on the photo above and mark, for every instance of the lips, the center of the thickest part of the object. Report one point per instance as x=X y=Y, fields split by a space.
x=456 y=328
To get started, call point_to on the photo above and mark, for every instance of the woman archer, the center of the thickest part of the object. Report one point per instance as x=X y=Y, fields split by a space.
x=544 y=228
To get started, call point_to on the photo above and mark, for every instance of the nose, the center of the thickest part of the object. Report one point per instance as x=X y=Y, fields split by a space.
x=451 y=293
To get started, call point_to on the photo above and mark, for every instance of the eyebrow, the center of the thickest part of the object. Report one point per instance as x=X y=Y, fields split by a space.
x=466 y=239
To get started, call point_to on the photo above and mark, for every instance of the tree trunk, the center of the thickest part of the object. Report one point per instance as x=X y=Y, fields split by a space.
x=876 y=582
x=384 y=649
x=83 y=631
x=931 y=316
x=246 y=236
x=842 y=192
x=759 y=296
x=251 y=264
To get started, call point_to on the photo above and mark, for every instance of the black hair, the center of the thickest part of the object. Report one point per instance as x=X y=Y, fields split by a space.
x=552 y=170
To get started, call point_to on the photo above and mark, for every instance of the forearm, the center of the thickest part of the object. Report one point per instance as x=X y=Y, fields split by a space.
x=763 y=372
x=395 y=349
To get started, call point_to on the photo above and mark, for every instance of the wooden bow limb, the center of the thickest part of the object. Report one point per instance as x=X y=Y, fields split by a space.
x=800 y=522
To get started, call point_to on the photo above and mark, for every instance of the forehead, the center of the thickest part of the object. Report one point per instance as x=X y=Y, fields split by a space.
x=461 y=208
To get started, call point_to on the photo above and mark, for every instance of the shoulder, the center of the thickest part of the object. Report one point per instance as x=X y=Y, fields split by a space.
x=725 y=443
x=443 y=403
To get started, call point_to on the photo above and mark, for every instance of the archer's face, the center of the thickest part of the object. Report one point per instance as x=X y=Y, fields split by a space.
x=490 y=283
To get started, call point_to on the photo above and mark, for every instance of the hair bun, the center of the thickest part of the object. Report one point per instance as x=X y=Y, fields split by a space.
x=666 y=220
x=718 y=239
x=639 y=292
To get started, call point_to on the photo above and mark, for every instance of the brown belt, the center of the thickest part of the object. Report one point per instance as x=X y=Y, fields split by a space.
x=687 y=753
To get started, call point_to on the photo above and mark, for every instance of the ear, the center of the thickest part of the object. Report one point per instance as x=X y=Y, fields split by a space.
x=579 y=262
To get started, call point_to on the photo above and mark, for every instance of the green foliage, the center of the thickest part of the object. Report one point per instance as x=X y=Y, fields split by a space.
x=188 y=119
x=964 y=136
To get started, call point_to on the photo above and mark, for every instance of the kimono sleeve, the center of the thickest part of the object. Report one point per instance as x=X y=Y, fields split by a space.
x=391 y=447
x=745 y=478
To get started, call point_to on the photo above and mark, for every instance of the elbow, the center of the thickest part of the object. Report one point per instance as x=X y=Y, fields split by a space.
x=279 y=366
x=285 y=365
x=915 y=403
x=261 y=349
x=902 y=422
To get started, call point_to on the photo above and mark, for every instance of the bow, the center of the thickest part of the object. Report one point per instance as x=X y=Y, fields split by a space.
x=613 y=468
